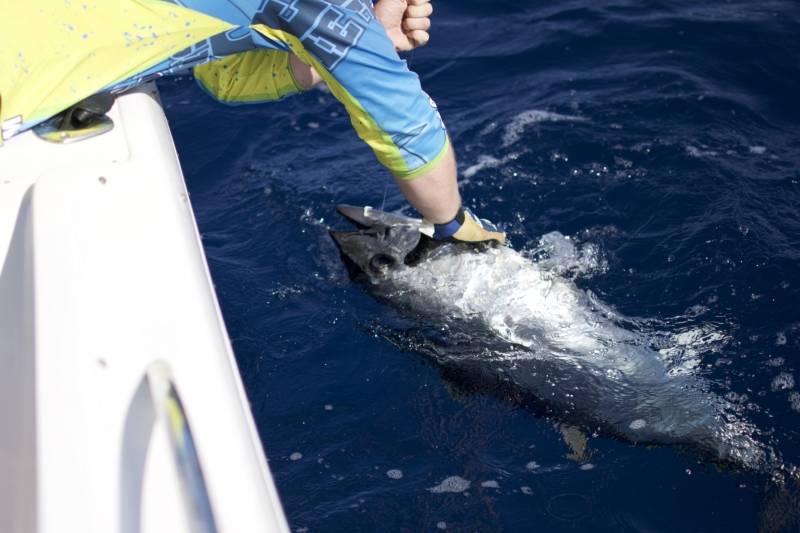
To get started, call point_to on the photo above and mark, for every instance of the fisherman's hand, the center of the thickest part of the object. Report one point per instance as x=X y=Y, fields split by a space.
x=465 y=227
x=406 y=22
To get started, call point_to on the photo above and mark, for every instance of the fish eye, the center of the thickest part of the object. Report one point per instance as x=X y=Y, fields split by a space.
x=381 y=262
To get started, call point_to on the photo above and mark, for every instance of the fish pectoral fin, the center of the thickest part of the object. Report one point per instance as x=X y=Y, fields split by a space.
x=577 y=441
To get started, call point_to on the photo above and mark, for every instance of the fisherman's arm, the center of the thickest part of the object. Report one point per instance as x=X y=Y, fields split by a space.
x=350 y=49
x=435 y=195
x=402 y=125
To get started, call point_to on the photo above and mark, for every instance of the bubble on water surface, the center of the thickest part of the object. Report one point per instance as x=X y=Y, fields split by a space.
x=780 y=338
x=451 y=484
x=569 y=507
x=296 y=456
x=794 y=401
x=783 y=381
x=638 y=424
x=587 y=467
x=733 y=397
x=395 y=473
x=697 y=152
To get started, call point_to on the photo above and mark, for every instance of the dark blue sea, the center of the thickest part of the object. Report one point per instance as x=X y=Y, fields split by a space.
x=649 y=149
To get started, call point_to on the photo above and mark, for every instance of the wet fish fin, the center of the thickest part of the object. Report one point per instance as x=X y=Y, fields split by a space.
x=422 y=251
x=578 y=443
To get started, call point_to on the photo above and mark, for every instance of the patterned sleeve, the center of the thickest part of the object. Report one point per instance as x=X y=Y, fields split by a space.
x=347 y=45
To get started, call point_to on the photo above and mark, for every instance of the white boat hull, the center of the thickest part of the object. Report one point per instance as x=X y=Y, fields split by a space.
x=102 y=275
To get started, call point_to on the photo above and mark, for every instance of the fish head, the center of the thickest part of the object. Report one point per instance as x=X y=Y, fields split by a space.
x=381 y=243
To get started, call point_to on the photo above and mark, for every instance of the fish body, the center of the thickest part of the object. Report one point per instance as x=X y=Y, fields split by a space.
x=539 y=333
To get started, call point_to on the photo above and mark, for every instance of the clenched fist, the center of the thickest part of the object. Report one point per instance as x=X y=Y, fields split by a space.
x=406 y=22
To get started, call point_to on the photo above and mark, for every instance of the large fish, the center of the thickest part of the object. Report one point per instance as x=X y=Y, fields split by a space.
x=538 y=333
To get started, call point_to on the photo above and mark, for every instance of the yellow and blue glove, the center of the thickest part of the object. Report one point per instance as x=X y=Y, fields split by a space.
x=465 y=227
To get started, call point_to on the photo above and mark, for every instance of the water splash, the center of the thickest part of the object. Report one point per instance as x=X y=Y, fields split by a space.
x=562 y=255
x=528 y=321
x=452 y=484
x=514 y=130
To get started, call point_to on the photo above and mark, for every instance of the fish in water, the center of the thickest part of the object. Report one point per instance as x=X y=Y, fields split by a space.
x=537 y=331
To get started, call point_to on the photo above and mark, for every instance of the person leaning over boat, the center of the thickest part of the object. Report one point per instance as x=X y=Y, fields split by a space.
x=246 y=51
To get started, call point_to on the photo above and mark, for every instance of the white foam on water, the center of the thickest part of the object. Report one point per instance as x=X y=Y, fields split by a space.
x=780 y=338
x=638 y=424
x=686 y=366
x=683 y=350
x=794 y=401
x=783 y=381
x=525 y=304
x=533 y=465
x=699 y=336
x=490 y=484
x=564 y=256
x=452 y=484
x=529 y=299
x=484 y=161
x=733 y=397
x=526 y=490
x=697 y=152
x=758 y=150
x=489 y=128
x=394 y=473
x=513 y=131
x=587 y=466
x=296 y=456
x=441 y=525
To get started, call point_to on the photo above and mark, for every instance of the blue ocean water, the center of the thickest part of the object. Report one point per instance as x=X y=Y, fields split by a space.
x=659 y=137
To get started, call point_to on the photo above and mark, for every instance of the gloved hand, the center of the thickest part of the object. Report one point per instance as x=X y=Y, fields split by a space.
x=465 y=227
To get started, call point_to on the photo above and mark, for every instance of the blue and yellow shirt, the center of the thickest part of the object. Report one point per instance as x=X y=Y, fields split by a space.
x=55 y=53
